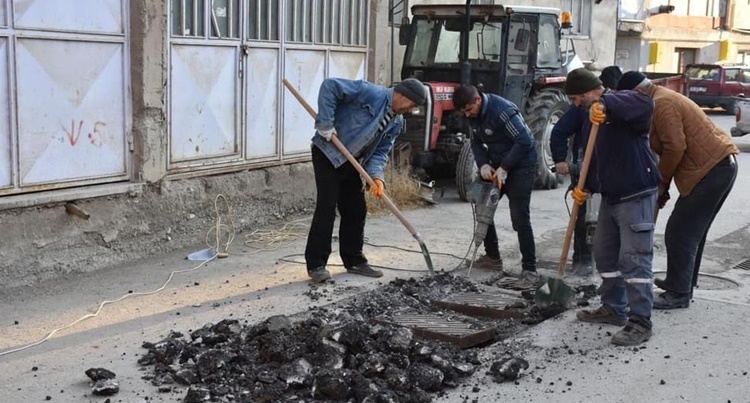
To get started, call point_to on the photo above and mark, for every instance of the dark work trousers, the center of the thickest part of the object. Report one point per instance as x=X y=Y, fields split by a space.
x=581 y=248
x=337 y=187
x=689 y=223
x=517 y=189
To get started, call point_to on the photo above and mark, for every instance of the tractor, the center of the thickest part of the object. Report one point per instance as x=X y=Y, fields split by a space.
x=514 y=52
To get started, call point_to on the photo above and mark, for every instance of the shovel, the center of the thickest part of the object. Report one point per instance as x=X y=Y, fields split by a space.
x=555 y=290
x=367 y=178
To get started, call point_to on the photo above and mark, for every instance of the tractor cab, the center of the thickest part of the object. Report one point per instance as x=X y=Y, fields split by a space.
x=508 y=48
x=514 y=52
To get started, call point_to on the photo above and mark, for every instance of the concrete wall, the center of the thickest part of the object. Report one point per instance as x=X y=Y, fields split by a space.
x=45 y=242
x=148 y=26
x=152 y=214
x=599 y=48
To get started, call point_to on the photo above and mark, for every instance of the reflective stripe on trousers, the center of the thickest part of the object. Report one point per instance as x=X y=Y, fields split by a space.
x=623 y=249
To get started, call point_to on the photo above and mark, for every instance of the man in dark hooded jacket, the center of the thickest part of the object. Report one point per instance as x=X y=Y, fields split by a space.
x=624 y=171
x=571 y=124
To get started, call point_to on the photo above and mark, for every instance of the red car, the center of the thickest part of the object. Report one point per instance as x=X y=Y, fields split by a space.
x=718 y=85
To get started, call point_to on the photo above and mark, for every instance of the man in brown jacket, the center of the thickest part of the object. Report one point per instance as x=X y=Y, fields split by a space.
x=700 y=158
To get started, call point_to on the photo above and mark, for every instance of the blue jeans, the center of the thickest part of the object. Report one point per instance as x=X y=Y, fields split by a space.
x=624 y=251
x=689 y=223
x=517 y=188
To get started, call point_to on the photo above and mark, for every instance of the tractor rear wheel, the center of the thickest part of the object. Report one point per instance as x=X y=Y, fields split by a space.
x=466 y=170
x=543 y=110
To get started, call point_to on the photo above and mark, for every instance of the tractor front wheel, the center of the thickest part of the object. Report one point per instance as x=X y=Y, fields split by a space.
x=466 y=170
x=543 y=110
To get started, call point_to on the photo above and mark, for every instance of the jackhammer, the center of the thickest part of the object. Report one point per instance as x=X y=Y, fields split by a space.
x=485 y=196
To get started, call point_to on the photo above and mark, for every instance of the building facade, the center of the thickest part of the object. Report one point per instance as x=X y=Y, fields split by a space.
x=681 y=32
x=122 y=120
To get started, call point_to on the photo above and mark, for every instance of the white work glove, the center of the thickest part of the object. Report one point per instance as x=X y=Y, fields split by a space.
x=327 y=134
x=487 y=172
x=501 y=175
x=562 y=168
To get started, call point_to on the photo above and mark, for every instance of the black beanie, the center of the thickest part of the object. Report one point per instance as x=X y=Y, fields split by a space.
x=610 y=77
x=580 y=81
x=412 y=89
x=630 y=80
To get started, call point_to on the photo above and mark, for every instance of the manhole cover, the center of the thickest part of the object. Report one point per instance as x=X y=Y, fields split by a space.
x=498 y=305
x=443 y=328
x=743 y=265
x=712 y=282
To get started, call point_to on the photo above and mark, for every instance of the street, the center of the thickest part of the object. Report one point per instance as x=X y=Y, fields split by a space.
x=696 y=355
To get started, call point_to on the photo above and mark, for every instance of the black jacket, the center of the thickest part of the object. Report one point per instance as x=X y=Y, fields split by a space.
x=501 y=128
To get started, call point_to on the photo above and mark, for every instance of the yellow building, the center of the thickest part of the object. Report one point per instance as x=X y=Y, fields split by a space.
x=666 y=35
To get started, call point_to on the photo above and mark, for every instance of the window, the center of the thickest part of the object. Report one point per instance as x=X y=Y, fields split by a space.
x=697 y=8
x=581 y=12
x=397 y=11
x=704 y=73
x=731 y=74
x=188 y=17
x=299 y=17
x=518 y=51
x=340 y=22
x=444 y=36
x=548 y=50
x=263 y=21
x=225 y=18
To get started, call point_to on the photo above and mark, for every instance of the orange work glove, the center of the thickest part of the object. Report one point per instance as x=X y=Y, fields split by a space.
x=596 y=113
x=580 y=196
x=378 y=189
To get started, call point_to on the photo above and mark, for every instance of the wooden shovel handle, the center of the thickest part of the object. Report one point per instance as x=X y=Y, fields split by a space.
x=574 y=213
x=354 y=162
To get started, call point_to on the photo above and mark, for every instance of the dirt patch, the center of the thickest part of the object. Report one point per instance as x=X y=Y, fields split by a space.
x=333 y=353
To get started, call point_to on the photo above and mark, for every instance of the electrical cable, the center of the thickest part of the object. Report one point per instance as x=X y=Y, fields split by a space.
x=225 y=245
x=275 y=239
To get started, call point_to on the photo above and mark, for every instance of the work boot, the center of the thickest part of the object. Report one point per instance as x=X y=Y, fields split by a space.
x=603 y=314
x=489 y=263
x=672 y=300
x=319 y=274
x=661 y=283
x=528 y=281
x=365 y=269
x=632 y=334
x=582 y=269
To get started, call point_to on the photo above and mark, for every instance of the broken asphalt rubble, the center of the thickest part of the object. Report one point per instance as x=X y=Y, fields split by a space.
x=333 y=353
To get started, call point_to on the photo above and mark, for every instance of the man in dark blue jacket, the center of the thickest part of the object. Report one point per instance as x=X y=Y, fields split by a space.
x=504 y=150
x=571 y=124
x=627 y=177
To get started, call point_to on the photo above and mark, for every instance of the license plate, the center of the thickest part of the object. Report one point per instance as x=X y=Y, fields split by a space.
x=697 y=89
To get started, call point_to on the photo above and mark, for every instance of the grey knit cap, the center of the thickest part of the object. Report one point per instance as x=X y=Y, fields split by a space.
x=412 y=89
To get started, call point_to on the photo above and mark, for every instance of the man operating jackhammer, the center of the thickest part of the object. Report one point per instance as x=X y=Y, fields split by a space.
x=627 y=177
x=701 y=159
x=505 y=152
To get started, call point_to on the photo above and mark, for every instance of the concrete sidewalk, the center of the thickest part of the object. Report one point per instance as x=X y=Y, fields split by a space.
x=699 y=353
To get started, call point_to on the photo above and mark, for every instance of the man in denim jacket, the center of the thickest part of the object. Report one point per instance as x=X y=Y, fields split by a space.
x=624 y=171
x=505 y=151
x=367 y=119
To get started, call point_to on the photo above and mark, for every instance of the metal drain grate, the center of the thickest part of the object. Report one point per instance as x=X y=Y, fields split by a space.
x=443 y=328
x=743 y=265
x=497 y=305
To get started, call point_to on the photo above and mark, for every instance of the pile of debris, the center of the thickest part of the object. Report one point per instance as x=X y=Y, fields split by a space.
x=337 y=353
